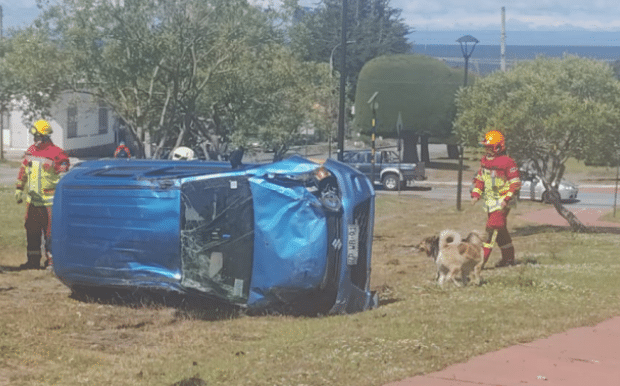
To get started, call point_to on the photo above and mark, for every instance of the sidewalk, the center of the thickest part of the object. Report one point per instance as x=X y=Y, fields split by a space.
x=588 y=216
x=578 y=357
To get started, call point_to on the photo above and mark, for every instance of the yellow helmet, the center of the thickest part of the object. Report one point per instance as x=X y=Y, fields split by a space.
x=41 y=127
x=495 y=140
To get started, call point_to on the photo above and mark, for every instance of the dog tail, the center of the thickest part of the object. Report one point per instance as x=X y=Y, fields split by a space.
x=449 y=237
x=475 y=238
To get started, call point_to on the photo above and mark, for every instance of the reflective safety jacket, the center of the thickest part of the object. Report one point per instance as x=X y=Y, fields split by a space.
x=40 y=171
x=496 y=181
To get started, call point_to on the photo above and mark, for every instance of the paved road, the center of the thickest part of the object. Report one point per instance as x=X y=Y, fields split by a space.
x=590 y=196
x=8 y=175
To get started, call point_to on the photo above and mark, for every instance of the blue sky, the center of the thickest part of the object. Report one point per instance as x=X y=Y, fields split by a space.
x=590 y=22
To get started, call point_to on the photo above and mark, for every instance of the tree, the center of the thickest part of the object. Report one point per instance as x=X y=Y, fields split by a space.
x=187 y=72
x=550 y=109
x=35 y=70
x=374 y=28
x=271 y=94
x=151 y=61
x=419 y=88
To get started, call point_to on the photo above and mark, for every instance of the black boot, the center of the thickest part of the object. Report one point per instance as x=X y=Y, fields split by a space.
x=508 y=256
x=34 y=261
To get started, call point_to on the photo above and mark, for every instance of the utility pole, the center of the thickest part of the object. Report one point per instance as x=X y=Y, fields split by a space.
x=343 y=82
x=503 y=41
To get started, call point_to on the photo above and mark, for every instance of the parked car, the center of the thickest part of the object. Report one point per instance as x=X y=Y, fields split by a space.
x=388 y=169
x=287 y=235
x=533 y=189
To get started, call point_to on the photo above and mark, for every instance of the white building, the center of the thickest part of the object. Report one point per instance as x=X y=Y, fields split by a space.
x=82 y=126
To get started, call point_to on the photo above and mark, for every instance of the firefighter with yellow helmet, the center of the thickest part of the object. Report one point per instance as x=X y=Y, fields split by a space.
x=497 y=183
x=38 y=176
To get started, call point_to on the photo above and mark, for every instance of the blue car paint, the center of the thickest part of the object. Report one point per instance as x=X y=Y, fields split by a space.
x=118 y=224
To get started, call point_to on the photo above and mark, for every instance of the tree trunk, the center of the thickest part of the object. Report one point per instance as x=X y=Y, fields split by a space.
x=453 y=151
x=424 y=149
x=573 y=221
x=410 y=147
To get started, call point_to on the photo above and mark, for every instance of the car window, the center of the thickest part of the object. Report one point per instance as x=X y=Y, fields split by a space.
x=216 y=245
x=393 y=157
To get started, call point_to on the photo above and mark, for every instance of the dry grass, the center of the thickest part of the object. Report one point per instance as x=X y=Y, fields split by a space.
x=567 y=280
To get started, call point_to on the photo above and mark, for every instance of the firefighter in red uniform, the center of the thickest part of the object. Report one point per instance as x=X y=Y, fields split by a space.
x=38 y=175
x=122 y=151
x=497 y=183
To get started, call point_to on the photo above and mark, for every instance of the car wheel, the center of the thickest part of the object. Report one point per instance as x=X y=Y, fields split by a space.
x=390 y=181
x=551 y=196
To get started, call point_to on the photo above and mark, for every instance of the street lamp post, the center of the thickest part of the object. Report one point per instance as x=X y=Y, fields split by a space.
x=467 y=43
x=374 y=105
x=331 y=57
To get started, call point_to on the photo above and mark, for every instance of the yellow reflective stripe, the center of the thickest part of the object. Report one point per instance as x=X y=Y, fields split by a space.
x=494 y=236
x=509 y=194
x=34 y=180
x=476 y=190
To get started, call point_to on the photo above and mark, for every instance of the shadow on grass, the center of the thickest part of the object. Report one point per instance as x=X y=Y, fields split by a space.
x=537 y=229
x=197 y=307
x=185 y=306
x=6 y=268
x=193 y=381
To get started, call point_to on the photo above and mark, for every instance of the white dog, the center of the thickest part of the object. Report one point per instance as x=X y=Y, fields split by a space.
x=457 y=258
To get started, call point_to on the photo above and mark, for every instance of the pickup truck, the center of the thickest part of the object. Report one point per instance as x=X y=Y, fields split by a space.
x=389 y=172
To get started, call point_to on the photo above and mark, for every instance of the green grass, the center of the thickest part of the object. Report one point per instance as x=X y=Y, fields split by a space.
x=12 y=232
x=567 y=280
x=611 y=217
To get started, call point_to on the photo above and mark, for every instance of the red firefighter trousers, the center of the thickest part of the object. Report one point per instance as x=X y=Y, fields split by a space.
x=38 y=223
x=497 y=231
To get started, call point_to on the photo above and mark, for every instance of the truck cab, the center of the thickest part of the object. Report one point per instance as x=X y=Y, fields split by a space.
x=388 y=170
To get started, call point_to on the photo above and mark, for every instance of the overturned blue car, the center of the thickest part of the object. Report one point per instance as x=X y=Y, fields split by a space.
x=294 y=233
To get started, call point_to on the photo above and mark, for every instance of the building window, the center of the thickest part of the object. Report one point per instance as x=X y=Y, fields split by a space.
x=103 y=118
x=72 y=122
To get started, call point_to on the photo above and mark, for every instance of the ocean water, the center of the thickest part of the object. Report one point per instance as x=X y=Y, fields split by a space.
x=521 y=38
x=520 y=45
x=487 y=58
x=606 y=53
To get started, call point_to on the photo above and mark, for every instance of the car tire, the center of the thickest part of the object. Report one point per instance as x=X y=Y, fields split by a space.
x=390 y=181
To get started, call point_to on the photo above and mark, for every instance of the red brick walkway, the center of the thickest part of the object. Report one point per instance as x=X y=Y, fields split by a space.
x=578 y=357
x=589 y=217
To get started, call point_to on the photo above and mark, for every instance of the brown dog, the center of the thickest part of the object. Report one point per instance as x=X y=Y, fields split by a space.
x=455 y=257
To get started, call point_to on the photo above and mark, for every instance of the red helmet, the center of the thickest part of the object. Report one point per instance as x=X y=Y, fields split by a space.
x=494 y=140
